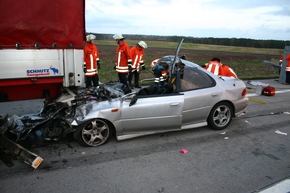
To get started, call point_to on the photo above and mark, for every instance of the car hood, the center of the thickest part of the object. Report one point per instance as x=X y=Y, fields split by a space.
x=94 y=109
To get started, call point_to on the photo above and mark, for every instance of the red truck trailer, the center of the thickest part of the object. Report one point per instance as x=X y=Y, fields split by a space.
x=41 y=47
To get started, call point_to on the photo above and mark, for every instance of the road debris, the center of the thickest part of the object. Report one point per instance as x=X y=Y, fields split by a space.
x=280 y=133
x=20 y=152
x=259 y=86
x=9 y=148
x=183 y=151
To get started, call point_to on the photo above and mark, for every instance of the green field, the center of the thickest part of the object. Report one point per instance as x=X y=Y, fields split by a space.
x=246 y=62
x=192 y=46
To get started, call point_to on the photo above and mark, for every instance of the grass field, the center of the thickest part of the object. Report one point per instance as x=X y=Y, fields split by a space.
x=246 y=62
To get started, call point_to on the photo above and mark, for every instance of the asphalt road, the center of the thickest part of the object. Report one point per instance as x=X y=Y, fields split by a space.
x=253 y=152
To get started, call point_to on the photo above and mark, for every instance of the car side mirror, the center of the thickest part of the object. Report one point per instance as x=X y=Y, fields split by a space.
x=133 y=100
x=131 y=97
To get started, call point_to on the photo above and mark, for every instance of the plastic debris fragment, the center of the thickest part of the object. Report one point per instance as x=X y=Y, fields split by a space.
x=280 y=133
x=183 y=151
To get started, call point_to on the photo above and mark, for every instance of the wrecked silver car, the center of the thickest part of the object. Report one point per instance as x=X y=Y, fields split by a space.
x=189 y=97
x=192 y=97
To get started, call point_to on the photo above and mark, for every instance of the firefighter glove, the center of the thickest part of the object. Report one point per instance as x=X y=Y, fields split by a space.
x=85 y=68
x=143 y=67
x=99 y=64
x=130 y=68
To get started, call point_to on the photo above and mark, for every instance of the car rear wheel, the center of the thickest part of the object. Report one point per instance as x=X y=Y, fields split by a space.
x=220 y=116
x=94 y=133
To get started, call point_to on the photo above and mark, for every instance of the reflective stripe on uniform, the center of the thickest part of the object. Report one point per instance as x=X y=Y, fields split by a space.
x=232 y=71
x=213 y=69
x=122 y=69
x=119 y=59
x=92 y=62
x=135 y=62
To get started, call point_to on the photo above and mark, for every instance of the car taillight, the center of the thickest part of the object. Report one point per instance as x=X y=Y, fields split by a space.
x=244 y=92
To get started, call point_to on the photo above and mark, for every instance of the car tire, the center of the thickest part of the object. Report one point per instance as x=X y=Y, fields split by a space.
x=220 y=116
x=93 y=133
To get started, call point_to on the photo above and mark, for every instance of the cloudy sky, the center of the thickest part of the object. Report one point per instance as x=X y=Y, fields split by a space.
x=255 y=19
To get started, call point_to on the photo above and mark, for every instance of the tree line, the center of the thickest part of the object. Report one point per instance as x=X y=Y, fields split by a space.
x=240 y=42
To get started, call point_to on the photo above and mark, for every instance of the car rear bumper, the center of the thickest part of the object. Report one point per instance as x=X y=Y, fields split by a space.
x=241 y=106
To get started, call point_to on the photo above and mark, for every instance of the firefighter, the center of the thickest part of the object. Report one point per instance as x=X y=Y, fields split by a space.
x=137 y=54
x=160 y=67
x=288 y=69
x=123 y=59
x=280 y=62
x=214 y=66
x=91 y=63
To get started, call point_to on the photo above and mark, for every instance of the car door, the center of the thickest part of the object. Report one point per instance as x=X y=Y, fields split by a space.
x=152 y=114
x=200 y=94
x=198 y=104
